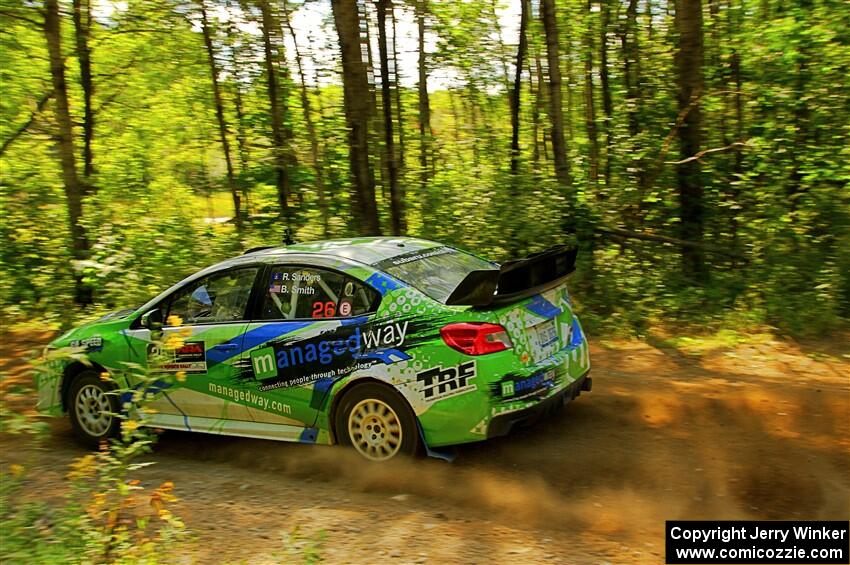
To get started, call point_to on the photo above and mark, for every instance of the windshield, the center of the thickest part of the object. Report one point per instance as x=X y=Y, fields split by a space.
x=436 y=272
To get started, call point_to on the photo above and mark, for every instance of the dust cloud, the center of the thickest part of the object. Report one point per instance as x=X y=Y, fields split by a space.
x=678 y=442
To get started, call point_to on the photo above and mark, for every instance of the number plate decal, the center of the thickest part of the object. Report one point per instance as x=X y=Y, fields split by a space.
x=544 y=339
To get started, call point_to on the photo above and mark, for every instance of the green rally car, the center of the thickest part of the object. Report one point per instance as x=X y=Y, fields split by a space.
x=390 y=345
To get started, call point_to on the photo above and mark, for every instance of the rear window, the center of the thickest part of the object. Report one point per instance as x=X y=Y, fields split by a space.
x=437 y=271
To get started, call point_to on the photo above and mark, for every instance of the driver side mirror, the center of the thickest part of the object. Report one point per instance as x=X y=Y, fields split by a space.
x=152 y=320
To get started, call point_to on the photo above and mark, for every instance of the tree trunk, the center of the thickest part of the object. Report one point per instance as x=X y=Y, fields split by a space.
x=82 y=32
x=517 y=89
x=311 y=128
x=650 y=30
x=632 y=81
x=455 y=116
x=356 y=98
x=424 y=102
x=470 y=107
x=539 y=105
x=65 y=147
x=688 y=21
x=556 y=115
x=739 y=112
x=222 y=124
x=738 y=163
x=590 y=105
x=241 y=137
x=503 y=58
x=282 y=174
x=629 y=42
x=396 y=204
x=366 y=39
x=607 y=104
x=399 y=111
x=376 y=125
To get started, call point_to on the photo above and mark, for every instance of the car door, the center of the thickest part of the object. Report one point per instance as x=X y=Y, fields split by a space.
x=303 y=337
x=200 y=345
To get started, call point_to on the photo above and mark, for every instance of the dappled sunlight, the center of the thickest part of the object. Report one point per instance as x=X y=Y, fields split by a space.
x=684 y=442
x=385 y=223
x=661 y=410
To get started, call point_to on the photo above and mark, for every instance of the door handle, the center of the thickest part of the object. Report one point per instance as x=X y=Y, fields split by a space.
x=225 y=346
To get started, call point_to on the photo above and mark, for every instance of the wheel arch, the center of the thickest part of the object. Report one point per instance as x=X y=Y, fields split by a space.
x=71 y=372
x=350 y=385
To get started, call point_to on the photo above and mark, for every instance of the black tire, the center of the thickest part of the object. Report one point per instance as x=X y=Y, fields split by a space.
x=91 y=404
x=374 y=395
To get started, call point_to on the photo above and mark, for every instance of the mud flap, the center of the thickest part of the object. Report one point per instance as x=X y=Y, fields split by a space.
x=446 y=453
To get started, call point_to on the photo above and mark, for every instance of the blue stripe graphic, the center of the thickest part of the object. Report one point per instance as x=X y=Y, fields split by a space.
x=577 y=337
x=383 y=283
x=253 y=338
x=543 y=307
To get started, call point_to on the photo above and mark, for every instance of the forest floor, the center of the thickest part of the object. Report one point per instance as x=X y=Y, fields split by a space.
x=674 y=429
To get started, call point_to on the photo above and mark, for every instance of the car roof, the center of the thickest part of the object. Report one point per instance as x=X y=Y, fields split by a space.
x=364 y=250
x=368 y=250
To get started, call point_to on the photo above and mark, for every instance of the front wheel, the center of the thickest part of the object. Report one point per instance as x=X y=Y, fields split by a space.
x=92 y=407
x=377 y=422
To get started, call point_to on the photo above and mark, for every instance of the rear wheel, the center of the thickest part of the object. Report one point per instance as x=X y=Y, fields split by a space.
x=377 y=422
x=92 y=407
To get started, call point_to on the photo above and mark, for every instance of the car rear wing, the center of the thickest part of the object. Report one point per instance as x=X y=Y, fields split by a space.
x=516 y=279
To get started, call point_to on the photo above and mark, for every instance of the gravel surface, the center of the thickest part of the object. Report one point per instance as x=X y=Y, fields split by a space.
x=757 y=431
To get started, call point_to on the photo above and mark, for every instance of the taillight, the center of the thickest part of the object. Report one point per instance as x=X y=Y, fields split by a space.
x=476 y=338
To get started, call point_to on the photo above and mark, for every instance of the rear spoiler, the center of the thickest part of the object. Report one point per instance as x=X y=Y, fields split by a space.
x=516 y=279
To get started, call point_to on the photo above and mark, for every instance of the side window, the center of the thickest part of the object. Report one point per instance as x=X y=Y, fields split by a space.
x=294 y=293
x=221 y=297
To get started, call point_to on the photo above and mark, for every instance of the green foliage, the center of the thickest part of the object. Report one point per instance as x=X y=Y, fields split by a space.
x=778 y=201
x=107 y=516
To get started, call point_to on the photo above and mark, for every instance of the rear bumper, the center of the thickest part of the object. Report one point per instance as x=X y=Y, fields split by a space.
x=502 y=424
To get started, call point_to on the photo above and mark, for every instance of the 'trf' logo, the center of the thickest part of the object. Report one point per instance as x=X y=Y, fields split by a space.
x=440 y=383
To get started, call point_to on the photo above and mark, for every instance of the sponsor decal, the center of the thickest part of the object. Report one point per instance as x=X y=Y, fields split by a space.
x=263 y=362
x=439 y=383
x=93 y=343
x=250 y=398
x=515 y=388
x=344 y=350
x=190 y=358
x=412 y=256
x=47 y=380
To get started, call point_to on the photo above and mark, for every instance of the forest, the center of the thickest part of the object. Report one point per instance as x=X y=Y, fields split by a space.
x=695 y=151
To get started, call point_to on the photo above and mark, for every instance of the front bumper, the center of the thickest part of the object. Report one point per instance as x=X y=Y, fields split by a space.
x=502 y=424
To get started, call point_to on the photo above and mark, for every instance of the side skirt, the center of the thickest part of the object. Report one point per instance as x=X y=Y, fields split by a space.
x=257 y=430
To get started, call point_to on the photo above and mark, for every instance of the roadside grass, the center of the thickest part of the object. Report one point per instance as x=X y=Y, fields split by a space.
x=697 y=346
x=105 y=515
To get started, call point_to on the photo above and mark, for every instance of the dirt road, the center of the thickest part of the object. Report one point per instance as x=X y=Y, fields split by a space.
x=758 y=431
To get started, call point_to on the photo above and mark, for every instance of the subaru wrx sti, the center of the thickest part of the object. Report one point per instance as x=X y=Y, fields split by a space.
x=390 y=345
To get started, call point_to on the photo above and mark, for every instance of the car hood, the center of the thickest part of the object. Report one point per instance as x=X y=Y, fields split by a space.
x=116 y=315
x=98 y=326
